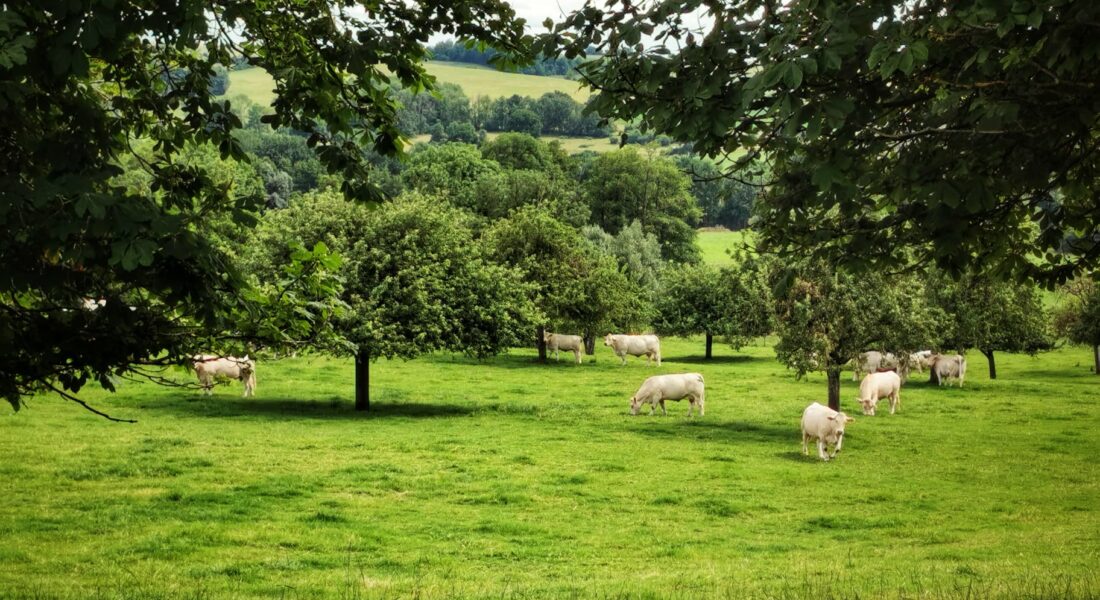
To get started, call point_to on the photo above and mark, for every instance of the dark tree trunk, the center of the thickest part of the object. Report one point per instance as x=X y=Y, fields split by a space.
x=1096 y=358
x=992 y=364
x=590 y=345
x=362 y=380
x=541 y=343
x=710 y=345
x=834 y=387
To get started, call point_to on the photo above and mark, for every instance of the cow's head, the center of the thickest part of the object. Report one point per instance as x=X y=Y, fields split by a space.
x=607 y=340
x=546 y=337
x=635 y=404
x=868 y=405
x=839 y=420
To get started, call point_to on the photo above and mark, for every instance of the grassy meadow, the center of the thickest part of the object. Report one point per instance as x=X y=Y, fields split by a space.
x=715 y=245
x=510 y=479
x=475 y=80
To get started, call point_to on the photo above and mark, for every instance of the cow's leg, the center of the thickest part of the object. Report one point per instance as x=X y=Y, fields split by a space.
x=895 y=402
x=839 y=443
x=691 y=406
x=821 y=449
x=577 y=354
x=702 y=402
x=622 y=357
x=663 y=411
x=805 y=446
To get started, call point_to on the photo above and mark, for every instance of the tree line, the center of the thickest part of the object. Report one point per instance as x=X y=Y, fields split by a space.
x=453 y=51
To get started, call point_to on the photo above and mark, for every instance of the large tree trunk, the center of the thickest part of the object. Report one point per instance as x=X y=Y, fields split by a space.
x=541 y=343
x=834 y=387
x=1096 y=358
x=362 y=380
x=992 y=363
x=710 y=345
x=590 y=345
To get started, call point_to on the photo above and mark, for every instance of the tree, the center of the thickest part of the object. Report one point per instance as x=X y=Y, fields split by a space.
x=991 y=316
x=576 y=286
x=638 y=252
x=514 y=150
x=625 y=185
x=1079 y=318
x=731 y=303
x=524 y=121
x=496 y=194
x=462 y=131
x=890 y=132
x=82 y=81
x=825 y=318
x=416 y=280
x=556 y=110
x=723 y=201
x=448 y=171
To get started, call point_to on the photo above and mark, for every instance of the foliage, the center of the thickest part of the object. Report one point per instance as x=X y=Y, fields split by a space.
x=826 y=317
x=496 y=194
x=733 y=303
x=1079 y=319
x=448 y=170
x=82 y=81
x=990 y=316
x=416 y=281
x=723 y=201
x=890 y=132
x=573 y=284
x=522 y=151
x=624 y=186
x=638 y=253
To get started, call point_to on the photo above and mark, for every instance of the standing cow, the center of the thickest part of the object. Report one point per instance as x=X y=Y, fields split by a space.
x=559 y=341
x=635 y=345
x=655 y=390
x=208 y=367
x=943 y=367
x=871 y=361
x=826 y=426
x=876 y=386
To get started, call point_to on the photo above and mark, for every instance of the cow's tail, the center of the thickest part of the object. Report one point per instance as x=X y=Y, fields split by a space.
x=962 y=370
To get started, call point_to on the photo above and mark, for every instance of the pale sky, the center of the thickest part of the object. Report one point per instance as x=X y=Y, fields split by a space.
x=536 y=11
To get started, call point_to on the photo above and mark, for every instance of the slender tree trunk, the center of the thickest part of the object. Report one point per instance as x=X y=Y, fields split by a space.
x=834 y=387
x=710 y=345
x=1096 y=358
x=590 y=344
x=992 y=363
x=541 y=343
x=362 y=380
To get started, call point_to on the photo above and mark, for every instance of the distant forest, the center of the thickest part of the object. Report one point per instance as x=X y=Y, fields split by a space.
x=457 y=52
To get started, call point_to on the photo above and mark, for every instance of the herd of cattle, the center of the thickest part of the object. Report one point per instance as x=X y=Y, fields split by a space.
x=882 y=378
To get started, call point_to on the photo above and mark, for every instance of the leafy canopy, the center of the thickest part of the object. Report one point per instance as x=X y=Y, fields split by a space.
x=963 y=134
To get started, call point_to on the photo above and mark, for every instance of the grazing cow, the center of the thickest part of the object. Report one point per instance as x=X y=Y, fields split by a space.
x=210 y=366
x=919 y=360
x=655 y=390
x=635 y=345
x=872 y=361
x=559 y=341
x=943 y=367
x=826 y=426
x=876 y=386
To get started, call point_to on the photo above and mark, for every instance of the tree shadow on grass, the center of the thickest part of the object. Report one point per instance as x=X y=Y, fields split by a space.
x=296 y=408
x=714 y=360
x=726 y=432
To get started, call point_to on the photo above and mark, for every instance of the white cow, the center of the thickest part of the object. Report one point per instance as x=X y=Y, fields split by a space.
x=871 y=361
x=635 y=345
x=943 y=367
x=919 y=360
x=210 y=366
x=876 y=386
x=559 y=341
x=826 y=426
x=655 y=390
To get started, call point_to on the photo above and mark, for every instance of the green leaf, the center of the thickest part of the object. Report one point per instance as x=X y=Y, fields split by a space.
x=793 y=75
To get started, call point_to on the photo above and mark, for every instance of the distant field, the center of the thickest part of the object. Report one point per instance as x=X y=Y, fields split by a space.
x=715 y=245
x=571 y=145
x=507 y=479
x=475 y=81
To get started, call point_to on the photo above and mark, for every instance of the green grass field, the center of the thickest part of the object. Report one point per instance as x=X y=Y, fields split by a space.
x=716 y=244
x=510 y=479
x=475 y=80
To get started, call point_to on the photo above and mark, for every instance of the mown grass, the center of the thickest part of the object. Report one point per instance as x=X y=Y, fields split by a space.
x=716 y=245
x=475 y=80
x=509 y=479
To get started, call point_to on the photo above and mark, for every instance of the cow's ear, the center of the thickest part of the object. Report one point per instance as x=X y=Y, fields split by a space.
x=832 y=417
